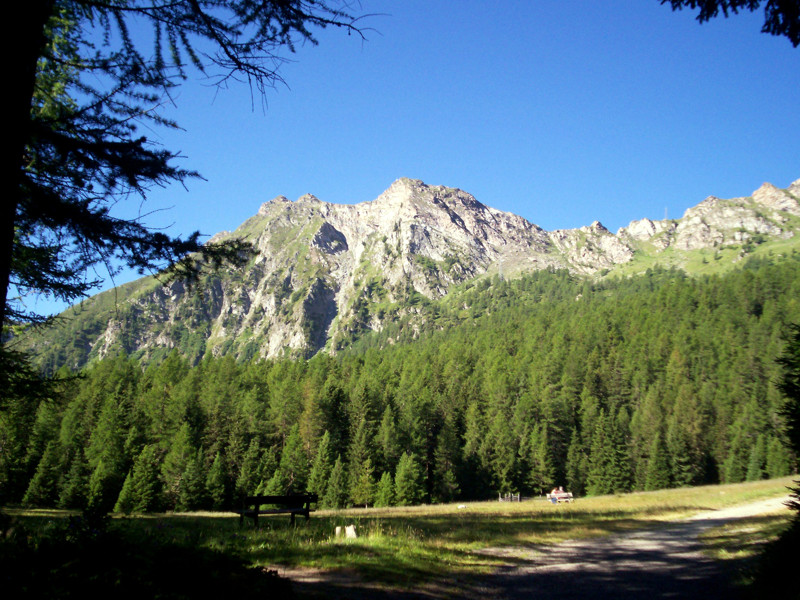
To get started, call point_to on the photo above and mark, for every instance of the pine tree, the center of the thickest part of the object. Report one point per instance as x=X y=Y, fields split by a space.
x=145 y=481
x=756 y=462
x=388 y=444
x=734 y=469
x=577 y=465
x=542 y=471
x=501 y=451
x=333 y=403
x=126 y=501
x=684 y=438
x=103 y=488
x=609 y=462
x=408 y=481
x=74 y=489
x=602 y=458
x=43 y=487
x=321 y=469
x=336 y=492
x=192 y=494
x=174 y=465
x=267 y=468
x=250 y=472
x=294 y=462
x=277 y=485
x=778 y=462
x=657 y=477
x=45 y=429
x=385 y=492
x=363 y=492
x=789 y=386
x=216 y=483
x=446 y=464
x=160 y=402
x=359 y=454
x=17 y=410
x=623 y=474
x=105 y=451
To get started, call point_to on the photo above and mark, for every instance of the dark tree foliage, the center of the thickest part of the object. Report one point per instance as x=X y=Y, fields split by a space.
x=790 y=386
x=781 y=17
x=19 y=380
x=84 y=81
x=777 y=569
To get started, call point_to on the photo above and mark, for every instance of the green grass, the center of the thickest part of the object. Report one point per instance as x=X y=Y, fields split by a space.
x=705 y=261
x=420 y=544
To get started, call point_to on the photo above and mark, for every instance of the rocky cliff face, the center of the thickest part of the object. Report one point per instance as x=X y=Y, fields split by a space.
x=325 y=273
x=715 y=223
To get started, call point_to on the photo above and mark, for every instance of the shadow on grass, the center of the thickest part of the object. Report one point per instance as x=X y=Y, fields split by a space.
x=753 y=546
x=396 y=551
x=73 y=558
x=775 y=571
x=745 y=538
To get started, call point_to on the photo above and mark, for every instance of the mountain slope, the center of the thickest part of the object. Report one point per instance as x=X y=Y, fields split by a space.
x=324 y=273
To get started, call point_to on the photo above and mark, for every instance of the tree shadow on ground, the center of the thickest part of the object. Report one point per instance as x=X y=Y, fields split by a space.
x=77 y=558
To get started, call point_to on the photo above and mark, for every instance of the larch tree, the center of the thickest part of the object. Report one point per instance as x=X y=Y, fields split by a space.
x=781 y=17
x=384 y=495
x=215 y=483
x=85 y=80
x=408 y=481
x=144 y=494
x=321 y=467
x=336 y=491
x=658 y=472
x=249 y=473
x=191 y=494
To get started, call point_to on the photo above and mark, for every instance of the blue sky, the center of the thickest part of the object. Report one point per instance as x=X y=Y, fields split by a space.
x=561 y=111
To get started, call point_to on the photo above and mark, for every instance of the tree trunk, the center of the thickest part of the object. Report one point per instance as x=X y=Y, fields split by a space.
x=29 y=23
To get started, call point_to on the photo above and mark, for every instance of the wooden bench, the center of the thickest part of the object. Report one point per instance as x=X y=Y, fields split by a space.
x=293 y=504
x=557 y=497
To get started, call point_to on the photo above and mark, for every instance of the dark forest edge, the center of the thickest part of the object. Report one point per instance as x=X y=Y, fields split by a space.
x=651 y=382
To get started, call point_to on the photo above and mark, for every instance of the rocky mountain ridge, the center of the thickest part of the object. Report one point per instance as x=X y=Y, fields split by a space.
x=323 y=273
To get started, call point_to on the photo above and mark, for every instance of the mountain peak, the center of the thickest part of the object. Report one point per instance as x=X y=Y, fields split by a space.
x=777 y=199
x=264 y=208
x=596 y=227
x=326 y=273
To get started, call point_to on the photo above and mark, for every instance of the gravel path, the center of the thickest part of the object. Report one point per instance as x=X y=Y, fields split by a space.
x=656 y=563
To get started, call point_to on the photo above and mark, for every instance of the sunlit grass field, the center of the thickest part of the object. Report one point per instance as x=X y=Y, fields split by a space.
x=398 y=546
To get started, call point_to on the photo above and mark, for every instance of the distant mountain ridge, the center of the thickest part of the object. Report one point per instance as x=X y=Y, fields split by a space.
x=326 y=273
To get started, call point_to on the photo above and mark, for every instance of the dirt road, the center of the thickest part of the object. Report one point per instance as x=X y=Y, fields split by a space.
x=661 y=562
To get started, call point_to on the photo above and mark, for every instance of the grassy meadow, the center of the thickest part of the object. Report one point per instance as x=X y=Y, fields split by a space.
x=401 y=547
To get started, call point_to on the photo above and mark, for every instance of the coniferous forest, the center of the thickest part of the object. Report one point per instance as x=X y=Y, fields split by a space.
x=654 y=381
